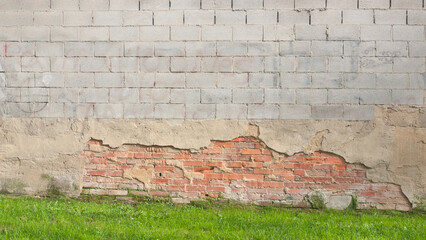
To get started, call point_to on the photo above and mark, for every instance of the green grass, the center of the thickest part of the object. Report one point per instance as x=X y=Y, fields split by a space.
x=30 y=218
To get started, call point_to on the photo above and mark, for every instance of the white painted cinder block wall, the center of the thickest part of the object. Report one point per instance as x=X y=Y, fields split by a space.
x=207 y=59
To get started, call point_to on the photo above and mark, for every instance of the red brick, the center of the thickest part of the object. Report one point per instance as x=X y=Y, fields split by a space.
x=234 y=164
x=254 y=184
x=213 y=176
x=340 y=167
x=213 y=151
x=195 y=188
x=193 y=163
x=240 y=139
x=216 y=189
x=143 y=155
x=273 y=184
x=203 y=169
x=96 y=173
x=159 y=194
x=200 y=182
x=233 y=176
x=213 y=164
x=179 y=181
x=299 y=172
x=224 y=144
x=262 y=171
x=220 y=182
x=182 y=156
x=114 y=173
x=334 y=160
x=252 y=165
x=262 y=158
x=250 y=151
x=322 y=179
x=253 y=177
x=164 y=168
x=288 y=165
x=117 y=192
x=282 y=172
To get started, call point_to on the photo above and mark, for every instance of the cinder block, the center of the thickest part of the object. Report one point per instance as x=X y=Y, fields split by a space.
x=64 y=64
x=173 y=111
x=16 y=18
x=217 y=64
x=110 y=18
x=230 y=17
x=138 y=49
x=64 y=95
x=79 y=49
x=418 y=81
x=79 y=80
x=343 y=32
x=154 y=33
x=185 y=64
x=94 y=65
x=186 y=33
x=358 y=113
x=392 y=81
x=168 y=18
x=411 y=33
x=247 y=96
x=391 y=49
x=286 y=96
x=278 y=4
x=343 y=64
x=248 y=4
x=417 y=49
x=231 y=111
x=342 y=4
x=311 y=32
x=185 y=96
x=35 y=64
x=263 y=49
x=64 y=34
x=216 y=4
x=309 y=4
x=382 y=4
x=416 y=17
x=408 y=97
x=358 y=17
x=345 y=96
x=293 y=17
x=201 y=80
x=94 y=5
x=94 y=34
x=72 y=110
x=248 y=32
x=215 y=96
x=94 y=95
x=262 y=17
x=49 y=110
x=127 y=64
x=138 y=111
x=20 y=109
x=169 y=49
x=295 y=112
x=137 y=18
x=278 y=32
x=295 y=48
x=390 y=17
x=295 y=80
x=139 y=79
x=326 y=17
x=77 y=18
x=152 y=95
x=108 y=110
x=124 y=33
x=327 y=48
x=154 y=4
x=311 y=64
x=10 y=33
x=9 y=95
x=49 y=79
x=124 y=95
x=232 y=80
x=19 y=79
x=280 y=64
x=200 y=111
x=199 y=17
x=328 y=112
x=375 y=32
x=34 y=95
x=18 y=49
x=110 y=80
x=108 y=49
x=311 y=96
x=248 y=64
x=372 y=96
x=263 y=111
x=38 y=33
x=327 y=80
x=171 y=80
x=372 y=64
x=48 y=18
x=231 y=49
x=65 y=4
x=124 y=5
x=200 y=49
x=154 y=64
x=264 y=80
x=184 y=4
x=359 y=48
x=409 y=65
x=219 y=33
x=407 y=4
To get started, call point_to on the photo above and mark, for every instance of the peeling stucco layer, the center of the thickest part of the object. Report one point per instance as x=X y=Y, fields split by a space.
x=36 y=153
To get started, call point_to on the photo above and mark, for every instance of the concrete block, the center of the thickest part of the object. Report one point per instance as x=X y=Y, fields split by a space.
x=49 y=79
x=418 y=80
x=311 y=32
x=199 y=17
x=328 y=112
x=35 y=64
x=288 y=17
x=280 y=64
x=48 y=18
x=359 y=80
x=326 y=17
x=382 y=4
x=217 y=64
x=74 y=110
x=216 y=4
x=286 y=96
x=124 y=95
x=295 y=48
x=311 y=96
x=311 y=64
x=78 y=18
x=409 y=65
x=138 y=111
x=327 y=48
x=138 y=49
x=231 y=111
x=64 y=4
x=200 y=49
x=185 y=64
x=417 y=49
x=216 y=33
x=94 y=95
x=295 y=80
x=407 y=4
x=169 y=49
x=108 y=49
x=264 y=80
x=231 y=49
x=94 y=34
x=171 y=80
x=345 y=64
x=79 y=49
x=201 y=80
x=263 y=49
x=232 y=80
x=167 y=18
x=375 y=32
x=248 y=64
x=184 y=4
x=185 y=96
x=409 y=33
x=108 y=110
x=137 y=18
x=392 y=81
x=371 y=96
x=358 y=16
x=247 y=33
x=154 y=4
x=278 y=32
x=345 y=96
x=124 y=5
x=154 y=33
x=64 y=34
x=152 y=95
x=230 y=17
x=124 y=33
x=169 y=111
x=416 y=17
x=358 y=48
x=248 y=4
x=39 y=33
x=295 y=112
x=216 y=96
x=371 y=64
x=327 y=80
x=110 y=18
x=262 y=17
x=200 y=111
x=390 y=17
x=247 y=96
x=139 y=79
x=110 y=80
x=94 y=65
x=185 y=33
x=391 y=49
x=127 y=64
x=408 y=97
x=61 y=64
x=345 y=32
x=79 y=79
x=154 y=64
x=35 y=95
x=94 y=5
x=49 y=110
x=263 y=111
x=64 y=95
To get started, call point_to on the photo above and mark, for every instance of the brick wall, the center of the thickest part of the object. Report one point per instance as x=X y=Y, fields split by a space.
x=197 y=59
x=243 y=169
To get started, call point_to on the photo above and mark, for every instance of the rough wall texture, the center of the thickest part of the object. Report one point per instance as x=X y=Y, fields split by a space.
x=345 y=77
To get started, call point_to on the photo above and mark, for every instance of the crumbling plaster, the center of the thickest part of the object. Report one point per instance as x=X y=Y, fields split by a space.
x=392 y=146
